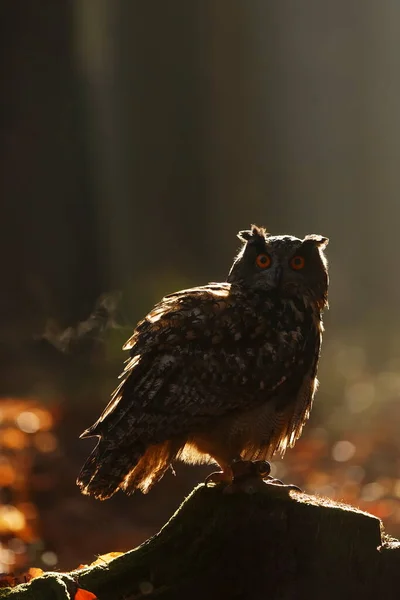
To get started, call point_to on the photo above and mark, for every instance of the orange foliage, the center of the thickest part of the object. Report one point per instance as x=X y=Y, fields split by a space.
x=25 y=431
x=82 y=594
x=11 y=580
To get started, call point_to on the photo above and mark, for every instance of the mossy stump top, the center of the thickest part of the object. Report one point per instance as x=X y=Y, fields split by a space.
x=276 y=544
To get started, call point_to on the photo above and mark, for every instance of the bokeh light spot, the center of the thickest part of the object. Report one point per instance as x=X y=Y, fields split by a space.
x=13 y=438
x=17 y=546
x=372 y=491
x=360 y=396
x=7 y=473
x=28 y=422
x=6 y=556
x=343 y=451
x=396 y=488
x=355 y=473
x=49 y=558
x=45 y=442
x=11 y=519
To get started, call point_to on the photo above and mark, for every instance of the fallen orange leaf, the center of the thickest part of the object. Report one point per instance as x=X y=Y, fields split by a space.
x=104 y=558
x=34 y=572
x=82 y=594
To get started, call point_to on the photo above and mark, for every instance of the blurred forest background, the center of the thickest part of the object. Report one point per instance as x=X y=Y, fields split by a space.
x=137 y=139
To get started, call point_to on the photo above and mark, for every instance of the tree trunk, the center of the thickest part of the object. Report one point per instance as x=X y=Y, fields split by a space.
x=271 y=544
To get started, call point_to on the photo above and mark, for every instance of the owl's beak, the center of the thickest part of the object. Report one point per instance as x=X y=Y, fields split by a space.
x=278 y=276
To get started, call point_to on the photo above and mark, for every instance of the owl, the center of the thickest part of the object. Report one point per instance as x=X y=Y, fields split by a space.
x=217 y=373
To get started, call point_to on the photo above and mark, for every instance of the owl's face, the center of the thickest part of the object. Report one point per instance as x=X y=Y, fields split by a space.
x=289 y=265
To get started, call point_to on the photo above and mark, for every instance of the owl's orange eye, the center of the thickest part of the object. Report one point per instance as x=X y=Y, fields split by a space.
x=263 y=261
x=297 y=263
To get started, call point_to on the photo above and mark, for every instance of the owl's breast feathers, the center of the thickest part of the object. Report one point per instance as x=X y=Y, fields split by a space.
x=207 y=352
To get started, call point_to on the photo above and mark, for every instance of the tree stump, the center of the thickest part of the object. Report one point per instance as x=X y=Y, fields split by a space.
x=272 y=544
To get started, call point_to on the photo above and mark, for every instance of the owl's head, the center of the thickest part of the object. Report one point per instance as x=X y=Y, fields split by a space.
x=283 y=263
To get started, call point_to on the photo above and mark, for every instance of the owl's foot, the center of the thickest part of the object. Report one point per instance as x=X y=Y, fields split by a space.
x=248 y=476
x=254 y=476
x=240 y=470
x=219 y=477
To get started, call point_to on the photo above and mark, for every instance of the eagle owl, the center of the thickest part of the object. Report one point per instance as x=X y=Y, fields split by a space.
x=218 y=372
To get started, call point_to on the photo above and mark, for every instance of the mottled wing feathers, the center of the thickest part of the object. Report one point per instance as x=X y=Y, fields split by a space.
x=163 y=323
x=140 y=412
x=198 y=355
x=157 y=348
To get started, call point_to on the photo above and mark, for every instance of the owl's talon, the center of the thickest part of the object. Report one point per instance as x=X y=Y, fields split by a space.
x=273 y=480
x=218 y=477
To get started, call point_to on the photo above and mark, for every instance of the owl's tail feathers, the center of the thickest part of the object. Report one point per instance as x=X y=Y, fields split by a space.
x=106 y=469
x=152 y=466
x=128 y=468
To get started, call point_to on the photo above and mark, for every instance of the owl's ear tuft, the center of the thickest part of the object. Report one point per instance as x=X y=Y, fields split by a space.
x=252 y=235
x=317 y=240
